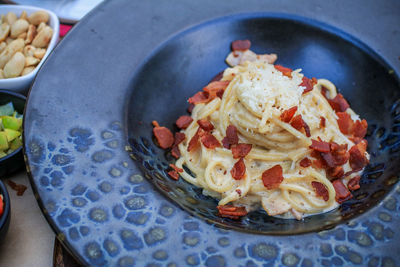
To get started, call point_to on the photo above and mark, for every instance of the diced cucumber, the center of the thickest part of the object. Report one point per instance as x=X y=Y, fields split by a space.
x=7 y=109
x=11 y=134
x=11 y=123
x=16 y=143
x=3 y=141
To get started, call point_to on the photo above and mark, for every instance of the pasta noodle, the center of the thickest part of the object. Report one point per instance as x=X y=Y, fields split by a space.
x=257 y=97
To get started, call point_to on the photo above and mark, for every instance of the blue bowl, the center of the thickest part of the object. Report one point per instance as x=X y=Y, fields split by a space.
x=5 y=217
x=14 y=161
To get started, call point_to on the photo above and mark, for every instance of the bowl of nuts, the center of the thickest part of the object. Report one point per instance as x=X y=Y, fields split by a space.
x=27 y=36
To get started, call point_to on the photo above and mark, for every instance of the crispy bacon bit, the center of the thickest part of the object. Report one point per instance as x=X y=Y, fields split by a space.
x=205 y=125
x=231 y=212
x=288 y=114
x=285 y=71
x=360 y=129
x=353 y=184
x=155 y=124
x=342 y=193
x=345 y=122
x=183 y=121
x=320 y=146
x=241 y=45
x=209 y=141
x=220 y=93
x=357 y=156
x=199 y=97
x=190 y=108
x=272 y=177
x=323 y=92
x=339 y=153
x=335 y=172
x=239 y=192
x=179 y=137
x=194 y=142
x=163 y=135
x=174 y=175
x=306 y=162
x=216 y=89
x=319 y=163
x=297 y=122
x=231 y=138
x=173 y=166
x=339 y=103
x=314 y=81
x=239 y=170
x=322 y=122
x=308 y=84
x=20 y=188
x=306 y=129
x=320 y=190
x=218 y=77
x=240 y=150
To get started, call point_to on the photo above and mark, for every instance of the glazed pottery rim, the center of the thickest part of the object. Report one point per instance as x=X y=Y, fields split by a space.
x=20 y=97
x=316 y=24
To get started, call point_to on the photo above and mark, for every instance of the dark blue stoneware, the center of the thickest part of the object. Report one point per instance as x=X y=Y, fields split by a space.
x=101 y=181
x=5 y=217
x=15 y=160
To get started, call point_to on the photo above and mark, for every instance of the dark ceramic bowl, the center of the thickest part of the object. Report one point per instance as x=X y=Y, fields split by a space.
x=14 y=161
x=184 y=64
x=5 y=217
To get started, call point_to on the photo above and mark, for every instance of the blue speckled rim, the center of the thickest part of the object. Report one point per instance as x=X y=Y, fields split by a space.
x=106 y=213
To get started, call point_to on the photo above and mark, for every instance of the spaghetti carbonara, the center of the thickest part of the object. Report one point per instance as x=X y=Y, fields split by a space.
x=264 y=135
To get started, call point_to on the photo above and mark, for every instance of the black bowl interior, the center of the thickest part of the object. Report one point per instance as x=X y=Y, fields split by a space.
x=14 y=161
x=5 y=217
x=186 y=63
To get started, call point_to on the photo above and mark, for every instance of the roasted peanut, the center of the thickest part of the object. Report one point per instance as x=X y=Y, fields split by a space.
x=15 y=66
x=10 y=18
x=31 y=34
x=9 y=40
x=39 y=53
x=37 y=17
x=12 y=48
x=2 y=46
x=29 y=50
x=4 y=31
x=31 y=61
x=27 y=70
x=42 y=39
x=22 y=35
x=24 y=15
x=18 y=27
x=41 y=26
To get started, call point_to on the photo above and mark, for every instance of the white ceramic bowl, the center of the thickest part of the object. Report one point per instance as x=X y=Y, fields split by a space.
x=22 y=84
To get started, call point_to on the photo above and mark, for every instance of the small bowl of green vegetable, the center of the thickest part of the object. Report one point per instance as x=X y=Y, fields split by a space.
x=11 y=117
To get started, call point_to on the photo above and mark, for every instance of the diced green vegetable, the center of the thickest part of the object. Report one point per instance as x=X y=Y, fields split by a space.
x=7 y=109
x=16 y=143
x=11 y=123
x=3 y=141
x=11 y=134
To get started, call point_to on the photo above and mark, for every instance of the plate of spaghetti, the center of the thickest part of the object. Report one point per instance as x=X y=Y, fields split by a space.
x=265 y=135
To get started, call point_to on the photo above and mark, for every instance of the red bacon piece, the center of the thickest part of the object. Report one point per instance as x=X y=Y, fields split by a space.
x=174 y=175
x=220 y=93
x=239 y=170
x=241 y=45
x=183 y=121
x=339 y=153
x=231 y=212
x=164 y=136
x=306 y=129
x=179 y=137
x=306 y=162
x=323 y=92
x=174 y=167
x=353 y=184
x=360 y=129
x=205 y=125
x=320 y=146
x=240 y=150
x=285 y=71
x=272 y=177
x=339 y=103
x=190 y=108
x=335 y=172
x=214 y=88
x=345 y=122
x=297 y=122
x=218 y=77
x=322 y=122
x=231 y=138
x=194 y=142
x=288 y=114
x=342 y=193
x=209 y=141
x=358 y=160
x=320 y=190
x=199 y=97
x=308 y=84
